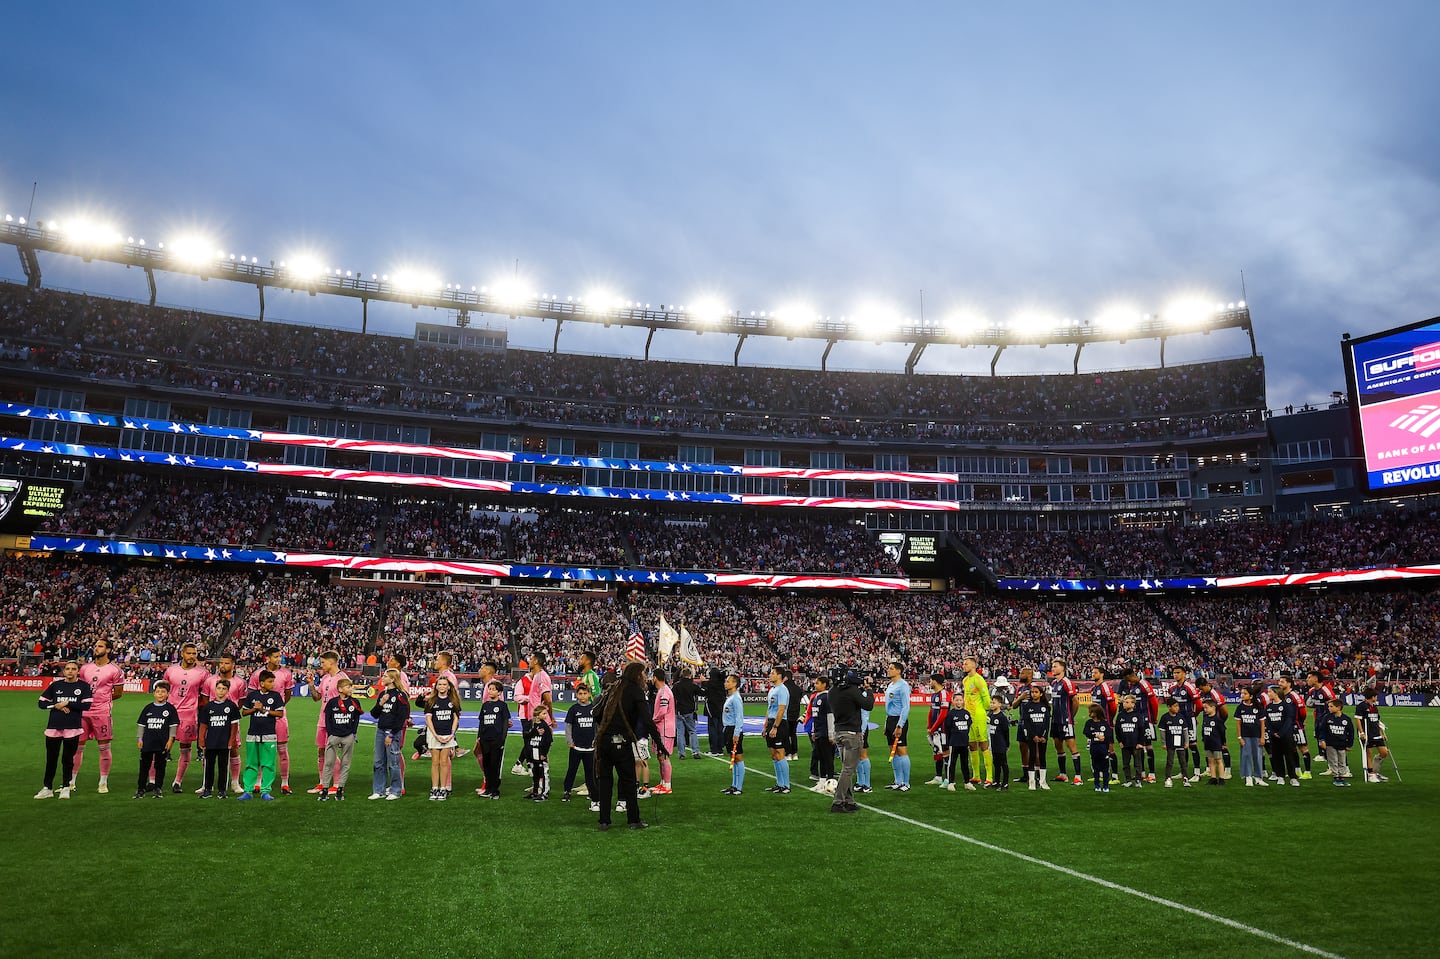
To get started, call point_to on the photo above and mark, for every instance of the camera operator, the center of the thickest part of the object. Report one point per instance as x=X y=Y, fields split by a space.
x=849 y=703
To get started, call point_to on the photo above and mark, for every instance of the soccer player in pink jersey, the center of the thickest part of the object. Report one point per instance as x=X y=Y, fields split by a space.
x=236 y=695
x=284 y=685
x=187 y=694
x=107 y=683
x=324 y=687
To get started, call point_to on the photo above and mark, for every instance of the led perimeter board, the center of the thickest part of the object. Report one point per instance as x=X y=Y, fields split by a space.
x=1394 y=386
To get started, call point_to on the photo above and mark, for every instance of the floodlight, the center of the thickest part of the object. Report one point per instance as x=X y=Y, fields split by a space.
x=191 y=250
x=414 y=281
x=1189 y=311
x=1032 y=323
x=1119 y=318
x=876 y=319
x=709 y=310
x=795 y=317
x=511 y=292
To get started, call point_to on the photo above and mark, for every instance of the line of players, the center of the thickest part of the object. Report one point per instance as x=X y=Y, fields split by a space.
x=1124 y=727
x=1128 y=716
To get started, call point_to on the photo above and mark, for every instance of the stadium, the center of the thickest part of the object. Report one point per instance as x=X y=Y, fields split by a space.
x=701 y=627
x=237 y=484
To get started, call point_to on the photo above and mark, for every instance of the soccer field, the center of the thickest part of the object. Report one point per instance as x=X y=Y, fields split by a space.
x=1263 y=872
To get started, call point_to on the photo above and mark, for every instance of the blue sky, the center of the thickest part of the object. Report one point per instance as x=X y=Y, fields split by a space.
x=1060 y=158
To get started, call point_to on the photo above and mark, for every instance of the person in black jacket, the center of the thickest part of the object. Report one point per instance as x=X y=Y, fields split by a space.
x=714 y=706
x=686 y=691
x=792 y=716
x=392 y=717
x=66 y=698
x=999 y=730
x=617 y=738
x=848 y=704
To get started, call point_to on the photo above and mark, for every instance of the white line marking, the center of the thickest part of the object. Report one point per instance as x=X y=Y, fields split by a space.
x=1076 y=874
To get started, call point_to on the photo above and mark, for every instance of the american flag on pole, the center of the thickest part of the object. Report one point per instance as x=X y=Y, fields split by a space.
x=635 y=644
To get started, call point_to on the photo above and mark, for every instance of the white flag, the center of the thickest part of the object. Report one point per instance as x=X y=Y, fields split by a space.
x=689 y=652
x=665 y=641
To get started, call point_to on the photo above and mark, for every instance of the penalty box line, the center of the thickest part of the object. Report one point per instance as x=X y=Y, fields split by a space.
x=1096 y=880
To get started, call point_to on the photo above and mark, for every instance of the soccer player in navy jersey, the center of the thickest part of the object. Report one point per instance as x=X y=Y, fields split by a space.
x=935 y=728
x=1065 y=706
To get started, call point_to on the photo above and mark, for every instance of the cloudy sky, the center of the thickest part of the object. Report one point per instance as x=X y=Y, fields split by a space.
x=835 y=154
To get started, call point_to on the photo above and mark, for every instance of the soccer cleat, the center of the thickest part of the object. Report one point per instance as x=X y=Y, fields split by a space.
x=317 y=788
x=727 y=791
x=176 y=788
x=935 y=781
x=1306 y=775
x=1061 y=777
x=267 y=797
x=322 y=795
x=950 y=787
x=284 y=789
x=1078 y=781
x=377 y=796
x=969 y=787
x=240 y=798
x=64 y=792
x=864 y=789
x=103 y=788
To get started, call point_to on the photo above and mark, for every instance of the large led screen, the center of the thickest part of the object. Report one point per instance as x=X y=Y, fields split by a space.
x=1394 y=381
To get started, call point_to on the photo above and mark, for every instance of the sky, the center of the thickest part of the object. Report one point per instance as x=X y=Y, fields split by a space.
x=1059 y=157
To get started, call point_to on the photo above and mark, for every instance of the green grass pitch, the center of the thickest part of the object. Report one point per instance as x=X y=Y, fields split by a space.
x=1347 y=872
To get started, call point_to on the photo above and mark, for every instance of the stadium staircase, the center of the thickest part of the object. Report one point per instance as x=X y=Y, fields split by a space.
x=756 y=631
x=1175 y=628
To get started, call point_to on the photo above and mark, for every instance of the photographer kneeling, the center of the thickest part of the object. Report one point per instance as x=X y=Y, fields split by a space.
x=849 y=703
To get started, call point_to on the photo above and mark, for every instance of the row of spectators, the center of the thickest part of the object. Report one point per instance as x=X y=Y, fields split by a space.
x=1393 y=537
x=56 y=609
x=112 y=339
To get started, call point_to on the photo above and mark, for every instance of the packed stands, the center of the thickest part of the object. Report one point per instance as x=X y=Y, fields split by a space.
x=471 y=624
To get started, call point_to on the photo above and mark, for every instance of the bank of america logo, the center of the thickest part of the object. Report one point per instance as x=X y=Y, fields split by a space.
x=1422 y=420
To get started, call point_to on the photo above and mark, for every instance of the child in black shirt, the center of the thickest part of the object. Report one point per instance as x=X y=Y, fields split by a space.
x=999 y=723
x=1035 y=730
x=494 y=727
x=66 y=698
x=218 y=719
x=1174 y=732
x=580 y=737
x=1130 y=730
x=158 y=723
x=1212 y=737
x=1337 y=734
x=537 y=754
x=1101 y=736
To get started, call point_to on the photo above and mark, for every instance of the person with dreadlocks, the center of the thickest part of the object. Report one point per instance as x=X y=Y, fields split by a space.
x=622 y=716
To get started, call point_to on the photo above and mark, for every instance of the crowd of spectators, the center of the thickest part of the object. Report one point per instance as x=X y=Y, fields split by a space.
x=1042 y=553
x=474 y=625
x=37 y=596
x=563 y=627
x=443 y=529
x=723 y=632
x=112 y=339
x=213 y=513
x=324 y=526
x=147 y=612
x=813 y=633
x=570 y=538
x=302 y=616
x=104 y=506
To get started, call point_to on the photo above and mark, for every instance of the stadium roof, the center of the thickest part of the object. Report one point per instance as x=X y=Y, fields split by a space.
x=197 y=257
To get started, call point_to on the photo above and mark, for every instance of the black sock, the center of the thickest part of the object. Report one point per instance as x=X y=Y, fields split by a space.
x=939 y=768
x=1060 y=759
x=1076 y=760
x=1225 y=757
x=1307 y=762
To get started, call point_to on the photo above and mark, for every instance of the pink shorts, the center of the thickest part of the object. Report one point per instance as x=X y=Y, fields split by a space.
x=282 y=731
x=97 y=727
x=321 y=737
x=189 y=728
